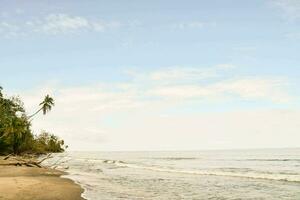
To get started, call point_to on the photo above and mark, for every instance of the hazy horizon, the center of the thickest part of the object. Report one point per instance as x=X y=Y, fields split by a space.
x=156 y=76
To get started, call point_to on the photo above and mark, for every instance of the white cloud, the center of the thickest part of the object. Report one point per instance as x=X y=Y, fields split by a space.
x=54 y=24
x=272 y=89
x=247 y=89
x=63 y=23
x=181 y=75
x=291 y=8
x=210 y=83
x=222 y=130
x=92 y=98
x=9 y=30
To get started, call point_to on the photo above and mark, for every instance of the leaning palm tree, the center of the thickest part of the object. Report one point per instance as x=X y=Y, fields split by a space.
x=46 y=106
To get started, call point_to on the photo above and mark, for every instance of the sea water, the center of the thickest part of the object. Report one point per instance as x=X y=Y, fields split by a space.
x=216 y=175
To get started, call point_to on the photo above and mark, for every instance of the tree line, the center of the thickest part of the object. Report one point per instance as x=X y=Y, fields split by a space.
x=16 y=135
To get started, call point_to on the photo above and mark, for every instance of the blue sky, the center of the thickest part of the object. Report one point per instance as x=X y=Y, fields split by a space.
x=145 y=60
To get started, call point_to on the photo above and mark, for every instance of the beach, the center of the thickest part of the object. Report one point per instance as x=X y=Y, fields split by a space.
x=167 y=175
x=33 y=183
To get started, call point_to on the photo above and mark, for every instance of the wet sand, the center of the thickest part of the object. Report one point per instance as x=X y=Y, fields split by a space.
x=32 y=183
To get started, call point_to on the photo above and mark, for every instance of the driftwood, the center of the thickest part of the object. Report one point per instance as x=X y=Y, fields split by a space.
x=58 y=163
x=7 y=157
x=23 y=161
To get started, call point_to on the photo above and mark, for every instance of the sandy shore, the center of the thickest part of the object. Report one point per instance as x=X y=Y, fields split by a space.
x=32 y=183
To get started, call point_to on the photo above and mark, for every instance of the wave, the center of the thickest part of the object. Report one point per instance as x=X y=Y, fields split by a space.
x=175 y=158
x=249 y=174
x=272 y=160
x=112 y=161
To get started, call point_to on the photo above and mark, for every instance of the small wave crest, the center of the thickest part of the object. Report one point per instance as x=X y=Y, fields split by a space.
x=240 y=174
x=174 y=158
x=273 y=160
x=112 y=161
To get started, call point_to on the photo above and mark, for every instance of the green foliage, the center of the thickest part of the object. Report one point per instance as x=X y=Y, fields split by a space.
x=15 y=133
x=46 y=142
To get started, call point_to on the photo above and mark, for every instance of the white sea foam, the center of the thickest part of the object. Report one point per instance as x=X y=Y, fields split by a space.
x=252 y=175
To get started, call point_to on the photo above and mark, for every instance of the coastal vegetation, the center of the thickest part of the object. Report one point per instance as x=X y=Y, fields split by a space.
x=16 y=135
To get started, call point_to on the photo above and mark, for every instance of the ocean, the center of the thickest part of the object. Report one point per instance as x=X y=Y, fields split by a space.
x=268 y=174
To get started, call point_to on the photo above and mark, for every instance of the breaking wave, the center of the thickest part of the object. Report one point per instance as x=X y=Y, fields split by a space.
x=240 y=173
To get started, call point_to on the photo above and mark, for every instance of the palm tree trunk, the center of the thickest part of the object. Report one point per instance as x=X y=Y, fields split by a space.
x=35 y=113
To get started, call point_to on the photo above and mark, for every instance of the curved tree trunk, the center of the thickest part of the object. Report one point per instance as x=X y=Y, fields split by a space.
x=35 y=113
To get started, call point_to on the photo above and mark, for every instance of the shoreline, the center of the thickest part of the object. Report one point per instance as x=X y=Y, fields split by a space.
x=32 y=183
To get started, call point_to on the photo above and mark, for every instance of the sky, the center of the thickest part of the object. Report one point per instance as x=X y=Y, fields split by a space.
x=157 y=75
